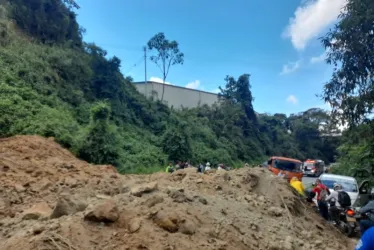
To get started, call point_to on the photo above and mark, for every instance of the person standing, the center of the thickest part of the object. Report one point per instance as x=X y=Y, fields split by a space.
x=200 y=168
x=298 y=186
x=340 y=199
x=322 y=192
x=207 y=167
x=369 y=210
x=169 y=168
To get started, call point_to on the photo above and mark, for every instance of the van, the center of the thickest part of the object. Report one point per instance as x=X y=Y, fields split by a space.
x=291 y=167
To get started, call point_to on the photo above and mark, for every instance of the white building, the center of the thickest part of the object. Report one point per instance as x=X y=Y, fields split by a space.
x=175 y=96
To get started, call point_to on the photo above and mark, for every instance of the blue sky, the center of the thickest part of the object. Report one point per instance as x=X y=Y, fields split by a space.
x=274 y=41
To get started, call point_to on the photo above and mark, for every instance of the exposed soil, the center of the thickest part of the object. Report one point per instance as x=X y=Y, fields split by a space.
x=51 y=200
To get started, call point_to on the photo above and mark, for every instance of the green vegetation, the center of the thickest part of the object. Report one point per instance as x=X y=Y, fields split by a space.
x=55 y=85
x=351 y=89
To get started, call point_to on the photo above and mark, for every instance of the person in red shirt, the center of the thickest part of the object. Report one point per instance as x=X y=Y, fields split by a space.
x=322 y=192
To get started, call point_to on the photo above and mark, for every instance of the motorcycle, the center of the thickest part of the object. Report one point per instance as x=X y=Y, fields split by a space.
x=346 y=220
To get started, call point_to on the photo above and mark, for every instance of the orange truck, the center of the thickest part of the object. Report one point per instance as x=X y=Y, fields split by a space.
x=290 y=167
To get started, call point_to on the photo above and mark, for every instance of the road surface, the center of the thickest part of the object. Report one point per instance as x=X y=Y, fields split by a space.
x=307 y=181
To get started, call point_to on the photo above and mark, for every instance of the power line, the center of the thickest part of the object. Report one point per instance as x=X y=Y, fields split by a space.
x=135 y=64
x=121 y=47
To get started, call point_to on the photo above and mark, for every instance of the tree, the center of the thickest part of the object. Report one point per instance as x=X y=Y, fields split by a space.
x=177 y=143
x=239 y=91
x=102 y=145
x=168 y=54
x=350 y=48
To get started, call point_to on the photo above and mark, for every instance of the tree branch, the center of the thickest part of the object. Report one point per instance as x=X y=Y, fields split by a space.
x=168 y=67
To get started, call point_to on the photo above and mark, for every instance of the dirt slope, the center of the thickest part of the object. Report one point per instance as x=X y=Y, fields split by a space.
x=51 y=200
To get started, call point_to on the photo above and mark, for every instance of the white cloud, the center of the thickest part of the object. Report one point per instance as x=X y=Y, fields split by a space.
x=193 y=85
x=292 y=99
x=318 y=59
x=290 y=67
x=157 y=79
x=310 y=19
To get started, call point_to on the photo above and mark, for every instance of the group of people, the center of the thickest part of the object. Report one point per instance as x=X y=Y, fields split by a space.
x=201 y=168
x=338 y=199
x=180 y=165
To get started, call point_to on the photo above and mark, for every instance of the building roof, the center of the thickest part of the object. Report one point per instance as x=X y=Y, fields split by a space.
x=176 y=87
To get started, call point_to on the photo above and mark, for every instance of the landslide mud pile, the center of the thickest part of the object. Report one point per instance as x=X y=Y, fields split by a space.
x=51 y=200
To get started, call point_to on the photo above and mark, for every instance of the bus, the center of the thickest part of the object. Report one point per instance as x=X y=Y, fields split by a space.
x=291 y=167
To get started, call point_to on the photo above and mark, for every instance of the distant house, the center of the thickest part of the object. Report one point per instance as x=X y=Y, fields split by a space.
x=175 y=96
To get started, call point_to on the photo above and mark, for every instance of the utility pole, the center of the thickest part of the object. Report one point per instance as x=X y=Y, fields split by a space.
x=145 y=70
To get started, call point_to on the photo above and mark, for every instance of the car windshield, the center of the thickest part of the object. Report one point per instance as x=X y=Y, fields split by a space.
x=348 y=185
x=287 y=165
x=308 y=165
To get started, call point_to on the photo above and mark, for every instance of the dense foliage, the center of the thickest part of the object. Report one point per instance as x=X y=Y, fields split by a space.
x=55 y=85
x=350 y=47
x=102 y=144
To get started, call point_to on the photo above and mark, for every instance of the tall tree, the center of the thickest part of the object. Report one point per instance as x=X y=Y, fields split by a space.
x=168 y=54
x=239 y=91
x=350 y=48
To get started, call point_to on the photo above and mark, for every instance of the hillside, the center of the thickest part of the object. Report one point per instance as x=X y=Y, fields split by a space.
x=54 y=84
x=51 y=200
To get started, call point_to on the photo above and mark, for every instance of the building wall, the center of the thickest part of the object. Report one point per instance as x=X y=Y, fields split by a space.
x=175 y=96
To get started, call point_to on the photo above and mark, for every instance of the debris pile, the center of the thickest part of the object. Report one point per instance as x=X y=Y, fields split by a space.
x=51 y=200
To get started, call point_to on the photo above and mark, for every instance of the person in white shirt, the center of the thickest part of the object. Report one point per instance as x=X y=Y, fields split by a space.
x=207 y=166
x=334 y=196
x=220 y=167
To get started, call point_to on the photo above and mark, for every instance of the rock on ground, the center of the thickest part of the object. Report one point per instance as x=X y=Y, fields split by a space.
x=167 y=221
x=106 y=211
x=139 y=190
x=37 y=211
x=66 y=206
x=134 y=225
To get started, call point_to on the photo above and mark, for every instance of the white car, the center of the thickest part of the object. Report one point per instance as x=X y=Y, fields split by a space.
x=349 y=184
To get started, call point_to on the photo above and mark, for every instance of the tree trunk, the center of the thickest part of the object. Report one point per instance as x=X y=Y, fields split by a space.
x=163 y=91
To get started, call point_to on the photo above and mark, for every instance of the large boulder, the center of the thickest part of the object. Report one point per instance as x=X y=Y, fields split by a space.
x=139 y=190
x=66 y=206
x=154 y=200
x=106 y=211
x=166 y=221
x=38 y=211
x=177 y=195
